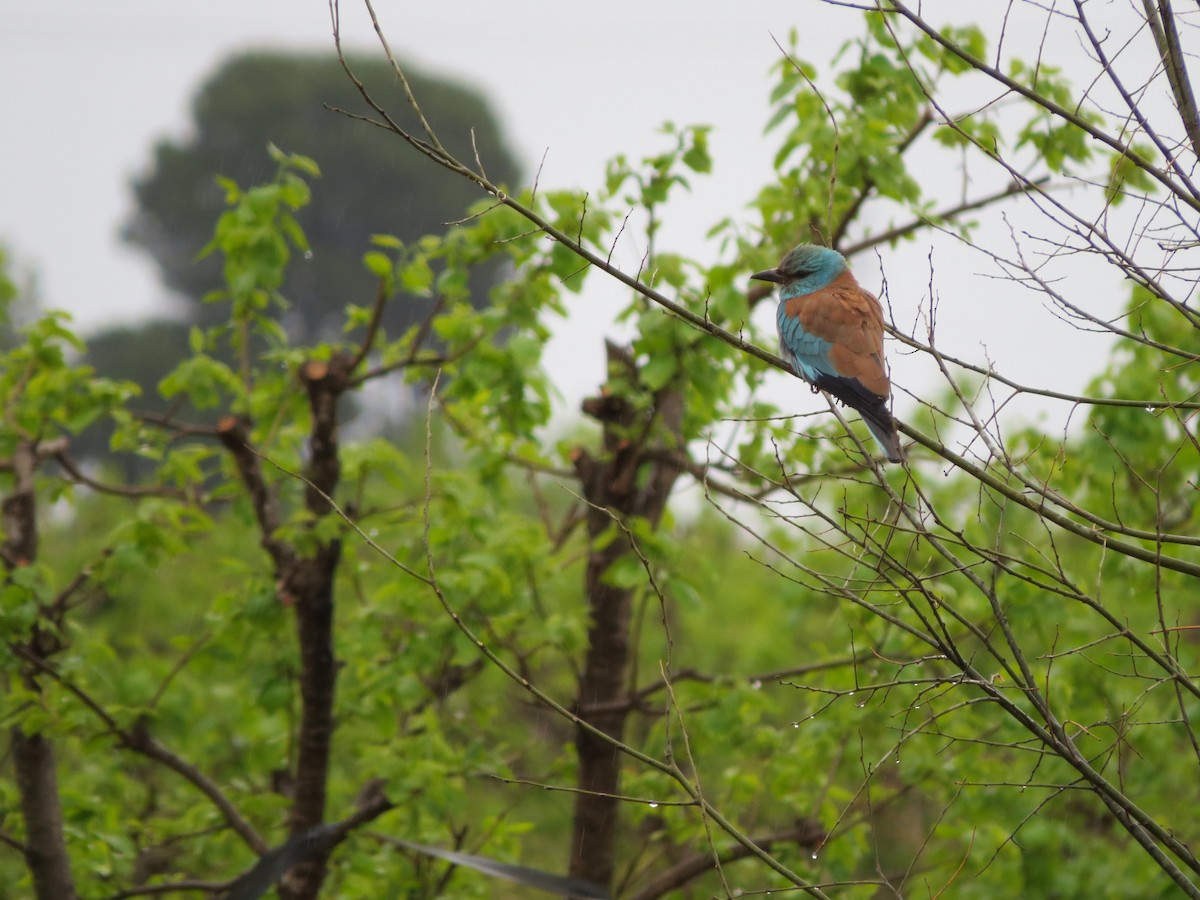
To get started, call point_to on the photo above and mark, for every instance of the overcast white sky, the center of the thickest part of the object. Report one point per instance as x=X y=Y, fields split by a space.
x=89 y=87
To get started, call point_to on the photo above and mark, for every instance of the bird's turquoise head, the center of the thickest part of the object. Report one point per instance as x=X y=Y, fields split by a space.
x=805 y=269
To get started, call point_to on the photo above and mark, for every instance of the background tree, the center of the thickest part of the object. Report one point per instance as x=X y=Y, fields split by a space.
x=261 y=98
x=253 y=100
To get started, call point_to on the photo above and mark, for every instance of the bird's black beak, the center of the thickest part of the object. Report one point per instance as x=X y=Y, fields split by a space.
x=771 y=275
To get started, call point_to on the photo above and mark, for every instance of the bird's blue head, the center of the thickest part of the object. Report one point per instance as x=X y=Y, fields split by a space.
x=805 y=269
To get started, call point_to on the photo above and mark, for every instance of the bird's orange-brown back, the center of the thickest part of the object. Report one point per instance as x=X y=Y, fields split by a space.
x=850 y=318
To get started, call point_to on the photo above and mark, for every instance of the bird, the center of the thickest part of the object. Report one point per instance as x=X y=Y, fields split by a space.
x=831 y=332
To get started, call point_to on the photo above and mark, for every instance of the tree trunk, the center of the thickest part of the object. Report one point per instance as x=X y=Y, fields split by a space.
x=33 y=755
x=45 y=848
x=601 y=696
x=311 y=588
x=305 y=581
x=308 y=583
x=629 y=482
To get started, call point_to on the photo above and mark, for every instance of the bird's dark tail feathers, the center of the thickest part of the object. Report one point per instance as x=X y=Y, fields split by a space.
x=871 y=407
x=887 y=436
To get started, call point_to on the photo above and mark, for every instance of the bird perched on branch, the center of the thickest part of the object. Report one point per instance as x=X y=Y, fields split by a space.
x=831 y=331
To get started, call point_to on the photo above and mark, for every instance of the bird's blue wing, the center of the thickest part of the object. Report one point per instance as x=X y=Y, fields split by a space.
x=808 y=354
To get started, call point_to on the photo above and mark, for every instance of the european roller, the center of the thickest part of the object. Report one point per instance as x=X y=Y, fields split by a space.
x=831 y=331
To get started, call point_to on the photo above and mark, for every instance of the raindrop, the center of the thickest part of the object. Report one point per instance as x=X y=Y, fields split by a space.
x=851 y=694
x=861 y=705
x=308 y=254
x=654 y=806
x=756 y=684
x=918 y=706
x=814 y=855
x=795 y=724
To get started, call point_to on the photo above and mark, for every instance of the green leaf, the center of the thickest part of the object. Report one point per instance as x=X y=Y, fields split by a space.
x=658 y=371
x=378 y=264
x=696 y=157
x=417 y=277
x=305 y=164
x=388 y=241
x=625 y=572
x=232 y=192
x=292 y=229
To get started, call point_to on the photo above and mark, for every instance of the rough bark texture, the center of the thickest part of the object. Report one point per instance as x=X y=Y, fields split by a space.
x=593 y=838
x=20 y=509
x=310 y=584
x=45 y=850
x=628 y=481
x=33 y=754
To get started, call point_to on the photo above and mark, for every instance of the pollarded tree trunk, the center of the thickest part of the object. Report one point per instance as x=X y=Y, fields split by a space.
x=602 y=692
x=630 y=481
x=305 y=581
x=33 y=754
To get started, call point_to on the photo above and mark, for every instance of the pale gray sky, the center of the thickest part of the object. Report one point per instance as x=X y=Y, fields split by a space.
x=89 y=87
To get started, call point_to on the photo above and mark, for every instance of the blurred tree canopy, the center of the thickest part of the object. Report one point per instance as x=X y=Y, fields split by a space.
x=371 y=186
